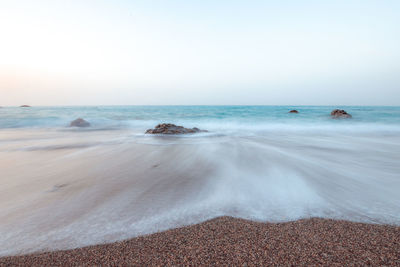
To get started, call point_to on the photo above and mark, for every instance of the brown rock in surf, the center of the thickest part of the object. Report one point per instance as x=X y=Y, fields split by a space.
x=339 y=114
x=169 y=128
x=79 y=123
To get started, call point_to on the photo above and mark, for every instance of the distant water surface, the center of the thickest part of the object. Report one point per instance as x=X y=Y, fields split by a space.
x=217 y=118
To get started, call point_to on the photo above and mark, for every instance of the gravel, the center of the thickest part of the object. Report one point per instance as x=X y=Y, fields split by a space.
x=230 y=241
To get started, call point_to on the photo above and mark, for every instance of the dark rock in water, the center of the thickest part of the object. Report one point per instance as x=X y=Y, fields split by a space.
x=25 y=106
x=168 y=128
x=293 y=111
x=79 y=123
x=340 y=113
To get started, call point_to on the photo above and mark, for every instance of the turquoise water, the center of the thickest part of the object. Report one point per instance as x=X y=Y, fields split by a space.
x=215 y=118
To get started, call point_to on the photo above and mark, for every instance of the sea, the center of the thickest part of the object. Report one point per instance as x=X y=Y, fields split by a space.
x=64 y=187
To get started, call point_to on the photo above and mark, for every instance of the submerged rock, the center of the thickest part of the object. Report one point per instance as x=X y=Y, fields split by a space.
x=169 y=128
x=79 y=123
x=340 y=113
x=293 y=111
x=25 y=106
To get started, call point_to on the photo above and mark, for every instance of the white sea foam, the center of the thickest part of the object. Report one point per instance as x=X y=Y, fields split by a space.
x=66 y=189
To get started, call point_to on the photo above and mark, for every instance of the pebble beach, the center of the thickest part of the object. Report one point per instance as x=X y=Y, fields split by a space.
x=227 y=241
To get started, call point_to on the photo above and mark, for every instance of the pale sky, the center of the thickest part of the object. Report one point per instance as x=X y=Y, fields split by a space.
x=199 y=52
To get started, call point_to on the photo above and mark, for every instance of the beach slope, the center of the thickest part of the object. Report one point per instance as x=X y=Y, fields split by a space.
x=231 y=241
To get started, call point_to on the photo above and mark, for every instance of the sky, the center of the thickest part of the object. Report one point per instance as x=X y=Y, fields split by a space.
x=199 y=52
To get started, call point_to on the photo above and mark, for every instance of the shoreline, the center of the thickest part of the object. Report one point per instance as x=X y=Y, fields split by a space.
x=232 y=241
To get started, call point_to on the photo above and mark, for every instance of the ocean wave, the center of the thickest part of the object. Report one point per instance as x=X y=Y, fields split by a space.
x=118 y=184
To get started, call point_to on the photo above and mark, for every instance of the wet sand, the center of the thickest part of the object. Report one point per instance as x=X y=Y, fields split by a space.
x=231 y=241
